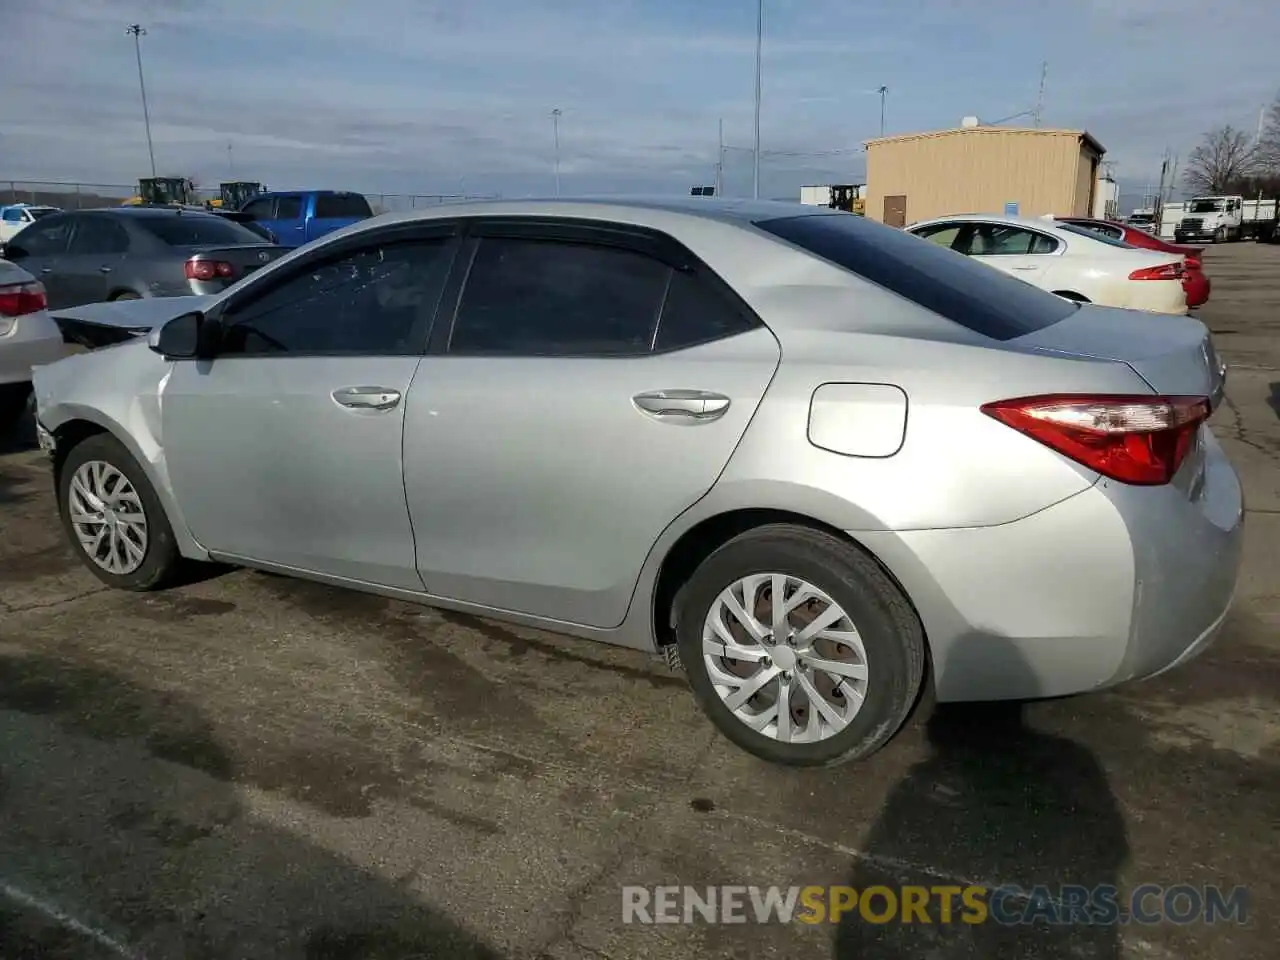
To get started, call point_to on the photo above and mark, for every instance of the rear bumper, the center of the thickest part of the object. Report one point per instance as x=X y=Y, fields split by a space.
x=1197 y=288
x=34 y=340
x=1116 y=583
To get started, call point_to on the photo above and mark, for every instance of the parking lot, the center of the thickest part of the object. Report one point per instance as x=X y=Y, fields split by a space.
x=249 y=766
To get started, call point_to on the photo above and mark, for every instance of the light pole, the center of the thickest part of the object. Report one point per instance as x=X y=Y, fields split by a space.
x=755 y=178
x=137 y=30
x=882 y=91
x=555 y=133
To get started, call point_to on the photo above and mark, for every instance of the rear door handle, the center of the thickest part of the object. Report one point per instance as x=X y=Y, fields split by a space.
x=1030 y=267
x=682 y=406
x=46 y=269
x=367 y=398
x=104 y=269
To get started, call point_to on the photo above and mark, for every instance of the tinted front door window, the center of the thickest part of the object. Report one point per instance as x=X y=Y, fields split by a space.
x=375 y=302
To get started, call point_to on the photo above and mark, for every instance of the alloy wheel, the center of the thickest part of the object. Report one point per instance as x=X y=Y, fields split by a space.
x=785 y=658
x=108 y=517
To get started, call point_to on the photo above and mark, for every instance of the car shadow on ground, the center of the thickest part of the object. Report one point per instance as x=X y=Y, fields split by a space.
x=994 y=803
x=124 y=835
x=1273 y=401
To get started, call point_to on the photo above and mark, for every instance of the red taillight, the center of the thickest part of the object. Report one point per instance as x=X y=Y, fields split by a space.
x=19 y=299
x=209 y=269
x=1166 y=271
x=1134 y=439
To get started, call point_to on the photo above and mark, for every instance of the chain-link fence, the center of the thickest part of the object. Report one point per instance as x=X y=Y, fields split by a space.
x=85 y=196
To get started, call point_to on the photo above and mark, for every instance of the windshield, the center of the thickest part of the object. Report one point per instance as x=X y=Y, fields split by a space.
x=948 y=283
x=1206 y=206
x=197 y=230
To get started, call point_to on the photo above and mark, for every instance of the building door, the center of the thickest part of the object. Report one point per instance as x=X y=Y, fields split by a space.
x=895 y=211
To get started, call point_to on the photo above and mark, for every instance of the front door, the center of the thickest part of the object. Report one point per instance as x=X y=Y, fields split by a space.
x=579 y=406
x=285 y=219
x=41 y=250
x=286 y=447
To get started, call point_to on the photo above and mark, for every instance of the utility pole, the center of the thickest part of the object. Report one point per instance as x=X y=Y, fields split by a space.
x=720 y=162
x=1159 y=211
x=231 y=167
x=1262 y=118
x=882 y=91
x=1044 y=75
x=555 y=132
x=137 y=31
x=755 y=178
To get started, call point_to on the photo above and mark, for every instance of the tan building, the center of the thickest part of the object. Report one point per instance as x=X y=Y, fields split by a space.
x=977 y=169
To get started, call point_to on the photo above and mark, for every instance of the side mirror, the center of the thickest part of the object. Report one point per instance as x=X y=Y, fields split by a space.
x=192 y=336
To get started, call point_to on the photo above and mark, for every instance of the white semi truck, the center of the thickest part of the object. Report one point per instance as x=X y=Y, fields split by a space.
x=1215 y=219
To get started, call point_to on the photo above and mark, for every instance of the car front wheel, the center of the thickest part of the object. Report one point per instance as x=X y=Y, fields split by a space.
x=113 y=517
x=799 y=647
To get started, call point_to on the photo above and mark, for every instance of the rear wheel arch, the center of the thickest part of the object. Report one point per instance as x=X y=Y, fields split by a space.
x=124 y=294
x=705 y=537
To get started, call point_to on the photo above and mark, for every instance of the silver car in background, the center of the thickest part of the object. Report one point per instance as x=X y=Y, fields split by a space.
x=130 y=253
x=817 y=461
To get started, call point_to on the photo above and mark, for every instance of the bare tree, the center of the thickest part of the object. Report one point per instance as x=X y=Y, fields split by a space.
x=1269 y=145
x=1224 y=157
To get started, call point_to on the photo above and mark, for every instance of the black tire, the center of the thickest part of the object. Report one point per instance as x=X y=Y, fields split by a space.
x=161 y=560
x=890 y=630
x=126 y=295
x=1220 y=235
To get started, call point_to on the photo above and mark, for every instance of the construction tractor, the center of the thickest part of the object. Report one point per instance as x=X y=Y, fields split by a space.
x=164 y=192
x=234 y=194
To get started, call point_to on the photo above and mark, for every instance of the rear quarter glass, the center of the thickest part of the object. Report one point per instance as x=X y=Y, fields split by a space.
x=951 y=285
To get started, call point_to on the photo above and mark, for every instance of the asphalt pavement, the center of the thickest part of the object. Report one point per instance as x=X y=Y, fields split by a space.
x=254 y=767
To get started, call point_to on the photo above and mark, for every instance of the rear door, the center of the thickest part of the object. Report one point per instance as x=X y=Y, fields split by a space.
x=333 y=211
x=92 y=266
x=41 y=248
x=591 y=387
x=1018 y=251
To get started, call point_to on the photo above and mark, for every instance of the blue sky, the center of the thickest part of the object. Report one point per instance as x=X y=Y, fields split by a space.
x=426 y=96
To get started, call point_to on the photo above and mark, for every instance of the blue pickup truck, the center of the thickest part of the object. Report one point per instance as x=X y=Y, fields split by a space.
x=299 y=216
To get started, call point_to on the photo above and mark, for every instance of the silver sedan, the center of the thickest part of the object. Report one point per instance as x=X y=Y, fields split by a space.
x=817 y=462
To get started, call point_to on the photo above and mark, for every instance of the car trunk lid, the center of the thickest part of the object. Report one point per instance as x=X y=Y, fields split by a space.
x=236 y=261
x=1173 y=354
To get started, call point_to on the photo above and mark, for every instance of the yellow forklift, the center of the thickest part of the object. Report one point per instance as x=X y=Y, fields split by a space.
x=848 y=197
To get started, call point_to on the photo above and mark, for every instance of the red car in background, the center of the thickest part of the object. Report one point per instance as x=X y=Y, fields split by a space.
x=1195 y=283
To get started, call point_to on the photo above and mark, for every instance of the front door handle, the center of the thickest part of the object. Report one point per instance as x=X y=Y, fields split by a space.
x=104 y=269
x=1029 y=267
x=682 y=406
x=367 y=398
x=46 y=269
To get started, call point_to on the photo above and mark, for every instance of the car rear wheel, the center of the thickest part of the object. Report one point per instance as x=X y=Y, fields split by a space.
x=113 y=517
x=126 y=295
x=799 y=647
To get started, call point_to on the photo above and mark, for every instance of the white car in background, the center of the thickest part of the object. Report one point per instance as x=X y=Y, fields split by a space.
x=19 y=216
x=29 y=338
x=1065 y=259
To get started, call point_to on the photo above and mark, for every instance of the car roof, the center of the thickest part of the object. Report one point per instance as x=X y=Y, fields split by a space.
x=145 y=212
x=1032 y=223
x=625 y=209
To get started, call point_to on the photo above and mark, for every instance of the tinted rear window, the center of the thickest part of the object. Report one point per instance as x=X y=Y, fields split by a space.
x=1093 y=235
x=42 y=212
x=342 y=205
x=188 y=230
x=964 y=291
